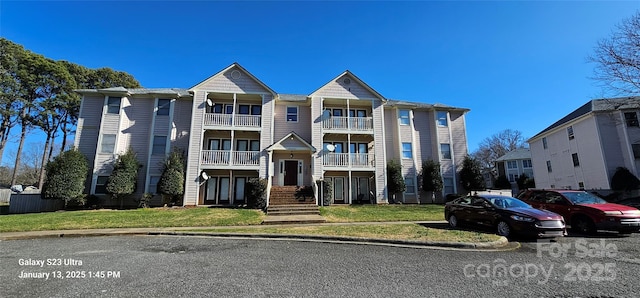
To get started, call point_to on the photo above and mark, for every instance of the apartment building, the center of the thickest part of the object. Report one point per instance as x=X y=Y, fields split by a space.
x=234 y=127
x=515 y=164
x=583 y=149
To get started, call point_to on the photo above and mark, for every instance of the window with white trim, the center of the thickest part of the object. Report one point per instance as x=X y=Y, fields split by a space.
x=445 y=151
x=404 y=117
x=292 y=114
x=159 y=145
x=108 y=143
x=576 y=161
x=549 y=166
x=163 y=107
x=526 y=163
x=407 y=151
x=411 y=186
x=544 y=143
x=442 y=118
x=512 y=164
x=113 y=105
x=570 y=132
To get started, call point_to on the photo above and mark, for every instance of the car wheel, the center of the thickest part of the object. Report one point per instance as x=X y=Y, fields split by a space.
x=504 y=229
x=453 y=221
x=583 y=224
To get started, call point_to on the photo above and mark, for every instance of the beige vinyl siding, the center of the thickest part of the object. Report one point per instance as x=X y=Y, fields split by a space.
x=391 y=133
x=266 y=138
x=316 y=130
x=458 y=136
x=423 y=126
x=282 y=127
x=88 y=130
x=226 y=83
x=338 y=89
x=381 y=157
x=181 y=123
x=195 y=143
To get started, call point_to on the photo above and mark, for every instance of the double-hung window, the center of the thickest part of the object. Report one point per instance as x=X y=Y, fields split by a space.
x=445 y=151
x=163 y=107
x=292 y=114
x=404 y=117
x=108 y=144
x=113 y=105
x=407 y=151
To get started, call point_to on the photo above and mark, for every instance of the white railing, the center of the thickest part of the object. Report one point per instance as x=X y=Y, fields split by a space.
x=215 y=119
x=230 y=158
x=348 y=123
x=354 y=160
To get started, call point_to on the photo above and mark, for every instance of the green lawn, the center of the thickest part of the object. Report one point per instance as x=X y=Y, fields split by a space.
x=408 y=231
x=138 y=218
x=360 y=213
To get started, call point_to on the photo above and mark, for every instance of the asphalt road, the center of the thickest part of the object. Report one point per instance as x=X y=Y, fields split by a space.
x=167 y=266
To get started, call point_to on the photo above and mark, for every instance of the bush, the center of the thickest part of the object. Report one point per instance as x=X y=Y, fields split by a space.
x=93 y=202
x=66 y=176
x=171 y=182
x=256 y=190
x=624 y=180
x=327 y=192
x=525 y=182
x=395 y=181
x=144 y=200
x=502 y=182
x=471 y=175
x=123 y=180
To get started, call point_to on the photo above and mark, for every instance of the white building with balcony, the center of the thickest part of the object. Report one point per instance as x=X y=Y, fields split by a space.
x=234 y=127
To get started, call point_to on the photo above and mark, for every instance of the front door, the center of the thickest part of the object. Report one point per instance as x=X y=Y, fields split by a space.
x=290 y=172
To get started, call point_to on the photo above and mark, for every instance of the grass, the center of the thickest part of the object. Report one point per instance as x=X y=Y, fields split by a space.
x=375 y=213
x=408 y=231
x=138 y=218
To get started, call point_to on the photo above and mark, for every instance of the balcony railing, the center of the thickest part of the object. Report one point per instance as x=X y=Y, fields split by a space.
x=230 y=158
x=348 y=123
x=353 y=160
x=215 y=119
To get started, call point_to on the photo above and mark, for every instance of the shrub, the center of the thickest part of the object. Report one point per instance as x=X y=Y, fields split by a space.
x=256 y=190
x=471 y=175
x=122 y=181
x=327 y=192
x=624 y=180
x=502 y=182
x=66 y=176
x=525 y=182
x=395 y=181
x=171 y=182
x=431 y=178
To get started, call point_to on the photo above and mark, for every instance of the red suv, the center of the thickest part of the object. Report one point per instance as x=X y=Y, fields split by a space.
x=584 y=211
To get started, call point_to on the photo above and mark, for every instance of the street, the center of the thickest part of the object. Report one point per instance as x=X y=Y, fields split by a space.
x=163 y=266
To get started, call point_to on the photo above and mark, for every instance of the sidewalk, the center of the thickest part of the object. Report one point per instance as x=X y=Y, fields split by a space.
x=501 y=244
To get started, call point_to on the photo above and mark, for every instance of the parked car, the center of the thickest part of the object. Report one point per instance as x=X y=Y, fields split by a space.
x=506 y=214
x=586 y=212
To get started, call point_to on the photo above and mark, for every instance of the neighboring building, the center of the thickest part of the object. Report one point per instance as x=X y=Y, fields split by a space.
x=515 y=163
x=583 y=149
x=234 y=127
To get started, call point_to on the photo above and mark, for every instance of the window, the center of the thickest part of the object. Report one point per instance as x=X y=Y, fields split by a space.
x=163 y=107
x=101 y=185
x=581 y=185
x=217 y=108
x=513 y=177
x=411 y=186
x=544 y=143
x=292 y=114
x=631 y=118
x=159 y=145
x=113 y=105
x=404 y=117
x=357 y=113
x=153 y=184
x=445 y=151
x=576 y=162
x=549 y=166
x=244 y=109
x=512 y=164
x=570 y=132
x=254 y=145
x=447 y=185
x=108 y=144
x=442 y=118
x=256 y=110
x=406 y=150
x=636 y=150
x=526 y=163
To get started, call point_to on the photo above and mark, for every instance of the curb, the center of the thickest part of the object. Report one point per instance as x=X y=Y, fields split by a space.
x=501 y=243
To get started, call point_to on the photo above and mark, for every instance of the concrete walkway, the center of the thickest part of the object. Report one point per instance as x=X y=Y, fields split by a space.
x=501 y=244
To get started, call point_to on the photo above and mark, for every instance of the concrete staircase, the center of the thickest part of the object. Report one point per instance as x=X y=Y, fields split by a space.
x=292 y=205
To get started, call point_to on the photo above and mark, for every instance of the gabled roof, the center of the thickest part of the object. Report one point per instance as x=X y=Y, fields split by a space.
x=421 y=105
x=292 y=135
x=597 y=105
x=358 y=80
x=522 y=153
x=235 y=64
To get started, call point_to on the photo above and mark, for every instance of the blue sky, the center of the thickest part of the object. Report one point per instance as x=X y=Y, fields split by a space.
x=518 y=65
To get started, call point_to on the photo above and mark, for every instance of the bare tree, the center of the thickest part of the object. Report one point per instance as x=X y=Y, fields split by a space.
x=617 y=58
x=495 y=146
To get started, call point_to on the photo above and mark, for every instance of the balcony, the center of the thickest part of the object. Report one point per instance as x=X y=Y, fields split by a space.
x=245 y=122
x=229 y=159
x=348 y=124
x=348 y=160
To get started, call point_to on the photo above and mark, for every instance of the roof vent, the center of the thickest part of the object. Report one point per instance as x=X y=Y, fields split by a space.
x=235 y=74
x=346 y=81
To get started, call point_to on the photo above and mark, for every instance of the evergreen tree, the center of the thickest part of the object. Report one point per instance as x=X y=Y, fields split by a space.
x=122 y=181
x=431 y=178
x=624 y=180
x=66 y=176
x=395 y=181
x=171 y=182
x=471 y=175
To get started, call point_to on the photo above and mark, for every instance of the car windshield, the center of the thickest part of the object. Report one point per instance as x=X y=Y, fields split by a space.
x=507 y=202
x=583 y=197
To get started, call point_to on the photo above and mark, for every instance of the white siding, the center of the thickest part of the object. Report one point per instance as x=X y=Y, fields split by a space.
x=282 y=127
x=195 y=143
x=226 y=83
x=338 y=89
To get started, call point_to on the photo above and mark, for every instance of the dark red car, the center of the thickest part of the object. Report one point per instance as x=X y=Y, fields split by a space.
x=585 y=212
x=506 y=214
